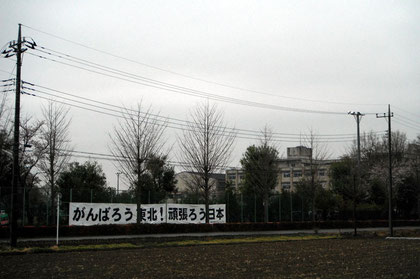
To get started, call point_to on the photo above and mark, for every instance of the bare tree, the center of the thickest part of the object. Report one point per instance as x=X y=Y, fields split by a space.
x=206 y=145
x=6 y=141
x=5 y=113
x=136 y=139
x=56 y=139
x=32 y=150
x=30 y=153
x=310 y=184
x=6 y=129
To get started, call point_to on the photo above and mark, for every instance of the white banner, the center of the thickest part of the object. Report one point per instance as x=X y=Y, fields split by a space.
x=88 y=214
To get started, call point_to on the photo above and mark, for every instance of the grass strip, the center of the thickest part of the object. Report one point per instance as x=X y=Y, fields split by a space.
x=216 y=241
x=241 y=240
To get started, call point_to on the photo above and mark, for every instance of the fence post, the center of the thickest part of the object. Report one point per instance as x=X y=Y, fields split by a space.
x=23 y=209
x=303 y=216
x=48 y=216
x=255 y=208
x=227 y=207
x=242 y=208
x=166 y=208
x=58 y=216
x=291 y=206
x=279 y=207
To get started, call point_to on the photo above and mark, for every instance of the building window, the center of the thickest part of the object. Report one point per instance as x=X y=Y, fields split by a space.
x=321 y=172
x=286 y=174
x=285 y=186
x=232 y=177
x=297 y=173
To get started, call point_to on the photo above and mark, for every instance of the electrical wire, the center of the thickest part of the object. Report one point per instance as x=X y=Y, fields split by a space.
x=189 y=76
x=186 y=127
x=200 y=94
x=182 y=122
x=406 y=111
x=409 y=120
x=407 y=125
x=111 y=157
x=249 y=137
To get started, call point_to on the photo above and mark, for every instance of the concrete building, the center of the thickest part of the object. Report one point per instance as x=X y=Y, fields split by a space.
x=187 y=181
x=234 y=177
x=295 y=167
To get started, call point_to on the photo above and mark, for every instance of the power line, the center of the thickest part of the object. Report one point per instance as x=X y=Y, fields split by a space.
x=192 y=77
x=197 y=93
x=241 y=136
x=111 y=157
x=183 y=122
x=409 y=120
x=407 y=125
x=398 y=108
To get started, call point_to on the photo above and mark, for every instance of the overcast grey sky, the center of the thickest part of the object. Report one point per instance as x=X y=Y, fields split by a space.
x=331 y=56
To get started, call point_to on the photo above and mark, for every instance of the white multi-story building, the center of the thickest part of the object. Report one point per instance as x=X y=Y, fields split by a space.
x=295 y=167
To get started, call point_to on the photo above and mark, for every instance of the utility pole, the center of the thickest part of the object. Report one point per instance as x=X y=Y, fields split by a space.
x=389 y=115
x=16 y=172
x=15 y=48
x=118 y=185
x=358 y=117
x=118 y=182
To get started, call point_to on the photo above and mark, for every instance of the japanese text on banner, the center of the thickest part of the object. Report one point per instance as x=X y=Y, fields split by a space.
x=88 y=214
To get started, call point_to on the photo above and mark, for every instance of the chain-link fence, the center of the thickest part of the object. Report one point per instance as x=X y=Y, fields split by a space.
x=36 y=208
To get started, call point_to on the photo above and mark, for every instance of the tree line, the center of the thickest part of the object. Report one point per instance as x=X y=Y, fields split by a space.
x=346 y=196
x=137 y=144
x=141 y=153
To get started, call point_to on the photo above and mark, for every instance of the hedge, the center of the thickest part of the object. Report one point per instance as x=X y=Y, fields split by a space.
x=133 y=229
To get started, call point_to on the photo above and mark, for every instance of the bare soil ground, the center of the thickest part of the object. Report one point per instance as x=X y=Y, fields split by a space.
x=334 y=258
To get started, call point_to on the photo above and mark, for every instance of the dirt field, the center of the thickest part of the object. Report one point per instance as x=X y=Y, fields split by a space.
x=336 y=258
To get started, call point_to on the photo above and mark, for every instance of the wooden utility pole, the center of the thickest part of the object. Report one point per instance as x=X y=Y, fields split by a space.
x=389 y=115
